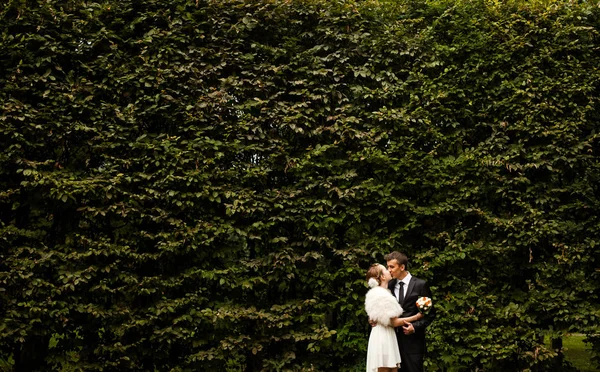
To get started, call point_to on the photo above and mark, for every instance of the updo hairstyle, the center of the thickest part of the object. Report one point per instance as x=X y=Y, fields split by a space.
x=375 y=272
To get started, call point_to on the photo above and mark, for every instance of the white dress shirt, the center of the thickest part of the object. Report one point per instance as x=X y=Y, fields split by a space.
x=406 y=280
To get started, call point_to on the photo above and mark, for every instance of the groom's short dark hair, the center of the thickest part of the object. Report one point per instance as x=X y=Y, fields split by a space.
x=400 y=257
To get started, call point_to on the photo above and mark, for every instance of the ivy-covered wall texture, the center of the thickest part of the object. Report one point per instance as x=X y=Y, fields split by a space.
x=200 y=185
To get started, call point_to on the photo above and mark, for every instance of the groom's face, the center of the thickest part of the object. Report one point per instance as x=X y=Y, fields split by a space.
x=395 y=269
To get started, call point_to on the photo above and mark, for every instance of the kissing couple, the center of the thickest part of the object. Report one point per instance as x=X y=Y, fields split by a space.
x=399 y=307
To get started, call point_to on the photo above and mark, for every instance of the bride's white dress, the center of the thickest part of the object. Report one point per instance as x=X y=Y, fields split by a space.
x=383 y=351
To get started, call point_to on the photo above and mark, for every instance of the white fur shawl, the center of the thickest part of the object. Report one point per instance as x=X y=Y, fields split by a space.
x=381 y=305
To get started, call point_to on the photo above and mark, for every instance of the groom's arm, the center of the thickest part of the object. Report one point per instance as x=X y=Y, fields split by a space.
x=422 y=323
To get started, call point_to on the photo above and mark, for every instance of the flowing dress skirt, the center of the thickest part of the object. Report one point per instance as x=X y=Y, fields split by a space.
x=383 y=348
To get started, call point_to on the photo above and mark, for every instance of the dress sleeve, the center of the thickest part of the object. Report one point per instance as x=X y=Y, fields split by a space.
x=380 y=305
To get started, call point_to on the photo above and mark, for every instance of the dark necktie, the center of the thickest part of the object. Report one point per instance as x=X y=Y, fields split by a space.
x=401 y=292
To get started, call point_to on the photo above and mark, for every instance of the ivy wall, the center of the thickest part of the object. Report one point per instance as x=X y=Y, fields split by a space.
x=201 y=184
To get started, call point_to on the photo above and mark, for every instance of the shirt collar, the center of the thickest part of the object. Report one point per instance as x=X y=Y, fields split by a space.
x=406 y=279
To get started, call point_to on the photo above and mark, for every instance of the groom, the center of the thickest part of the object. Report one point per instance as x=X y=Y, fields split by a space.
x=407 y=289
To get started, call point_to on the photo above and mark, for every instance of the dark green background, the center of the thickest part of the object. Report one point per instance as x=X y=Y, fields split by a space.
x=201 y=185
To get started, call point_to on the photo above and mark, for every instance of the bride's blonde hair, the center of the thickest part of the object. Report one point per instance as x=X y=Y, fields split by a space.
x=375 y=272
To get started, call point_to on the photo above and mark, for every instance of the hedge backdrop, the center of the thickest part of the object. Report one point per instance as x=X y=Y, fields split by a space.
x=201 y=184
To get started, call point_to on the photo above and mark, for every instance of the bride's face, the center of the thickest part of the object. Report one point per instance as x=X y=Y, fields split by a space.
x=386 y=274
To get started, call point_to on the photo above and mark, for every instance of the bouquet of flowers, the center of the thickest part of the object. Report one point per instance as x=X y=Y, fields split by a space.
x=424 y=305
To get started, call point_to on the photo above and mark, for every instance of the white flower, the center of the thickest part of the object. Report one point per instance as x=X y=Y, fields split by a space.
x=424 y=304
x=372 y=283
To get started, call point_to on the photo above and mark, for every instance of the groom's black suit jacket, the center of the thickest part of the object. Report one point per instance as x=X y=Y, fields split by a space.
x=412 y=347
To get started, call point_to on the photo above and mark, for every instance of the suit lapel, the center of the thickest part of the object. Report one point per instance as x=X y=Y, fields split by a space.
x=392 y=285
x=392 y=288
x=411 y=286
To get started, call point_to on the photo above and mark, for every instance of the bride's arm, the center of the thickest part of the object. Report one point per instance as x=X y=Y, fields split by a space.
x=413 y=318
x=399 y=322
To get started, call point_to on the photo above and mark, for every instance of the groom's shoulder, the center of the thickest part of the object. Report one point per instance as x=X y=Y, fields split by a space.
x=418 y=280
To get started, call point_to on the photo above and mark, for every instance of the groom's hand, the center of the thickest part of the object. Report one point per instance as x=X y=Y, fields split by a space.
x=408 y=329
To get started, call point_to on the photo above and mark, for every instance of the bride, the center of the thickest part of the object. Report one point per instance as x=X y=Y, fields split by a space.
x=383 y=354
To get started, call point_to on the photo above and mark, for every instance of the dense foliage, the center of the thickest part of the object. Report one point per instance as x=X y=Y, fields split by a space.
x=200 y=185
